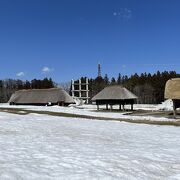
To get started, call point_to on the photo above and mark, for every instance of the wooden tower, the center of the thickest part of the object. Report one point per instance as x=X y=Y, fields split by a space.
x=81 y=90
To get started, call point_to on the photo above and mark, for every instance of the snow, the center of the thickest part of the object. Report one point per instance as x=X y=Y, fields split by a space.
x=90 y=110
x=136 y=107
x=166 y=105
x=44 y=147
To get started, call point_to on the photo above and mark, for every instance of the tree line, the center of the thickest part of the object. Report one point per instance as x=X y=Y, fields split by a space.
x=9 y=86
x=148 y=87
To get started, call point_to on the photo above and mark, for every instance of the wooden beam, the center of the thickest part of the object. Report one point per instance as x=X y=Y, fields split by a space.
x=174 y=109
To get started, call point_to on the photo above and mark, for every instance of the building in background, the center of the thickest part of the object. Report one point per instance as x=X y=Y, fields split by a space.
x=53 y=96
x=80 y=90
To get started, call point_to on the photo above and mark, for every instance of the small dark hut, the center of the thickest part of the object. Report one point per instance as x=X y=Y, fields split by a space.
x=114 y=95
x=53 y=96
x=172 y=91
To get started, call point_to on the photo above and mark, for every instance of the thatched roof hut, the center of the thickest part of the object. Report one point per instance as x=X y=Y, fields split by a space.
x=53 y=96
x=114 y=95
x=172 y=91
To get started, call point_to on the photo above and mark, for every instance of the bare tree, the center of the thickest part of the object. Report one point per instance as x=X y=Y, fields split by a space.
x=145 y=93
x=66 y=86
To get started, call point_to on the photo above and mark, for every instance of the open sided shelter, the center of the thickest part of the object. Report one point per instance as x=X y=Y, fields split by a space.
x=114 y=95
x=53 y=96
x=172 y=91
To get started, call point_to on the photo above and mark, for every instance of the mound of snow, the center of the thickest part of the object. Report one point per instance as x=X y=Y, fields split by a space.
x=78 y=101
x=166 y=105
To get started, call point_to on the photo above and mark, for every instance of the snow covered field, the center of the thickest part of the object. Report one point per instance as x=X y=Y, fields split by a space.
x=90 y=110
x=46 y=147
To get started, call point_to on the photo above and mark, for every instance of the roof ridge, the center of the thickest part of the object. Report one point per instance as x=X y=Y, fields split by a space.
x=40 y=89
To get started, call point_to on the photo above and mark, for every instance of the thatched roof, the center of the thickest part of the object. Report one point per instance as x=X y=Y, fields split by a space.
x=115 y=92
x=172 y=89
x=41 y=96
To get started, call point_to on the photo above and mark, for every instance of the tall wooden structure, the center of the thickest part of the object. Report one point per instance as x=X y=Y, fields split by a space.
x=81 y=90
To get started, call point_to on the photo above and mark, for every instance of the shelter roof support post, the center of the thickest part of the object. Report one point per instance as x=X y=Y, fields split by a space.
x=111 y=106
x=106 y=106
x=98 y=107
x=174 y=109
x=132 y=107
x=120 y=107
x=123 y=107
x=97 y=103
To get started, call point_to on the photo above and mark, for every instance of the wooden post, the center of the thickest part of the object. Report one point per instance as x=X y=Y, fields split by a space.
x=72 y=88
x=87 y=90
x=174 y=109
x=80 y=89
x=106 y=106
x=123 y=108
x=98 y=107
x=111 y=106
x=131 y=107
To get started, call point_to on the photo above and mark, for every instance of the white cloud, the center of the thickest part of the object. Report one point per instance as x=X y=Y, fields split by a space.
x=114 y=13
x=123 y=13
x=123 y=66
x=20 y=74
x=46 y=69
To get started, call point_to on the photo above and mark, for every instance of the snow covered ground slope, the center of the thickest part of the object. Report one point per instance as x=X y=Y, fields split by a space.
x=46 y=147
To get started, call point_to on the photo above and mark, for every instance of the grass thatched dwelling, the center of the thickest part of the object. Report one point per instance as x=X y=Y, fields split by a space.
x=114 y=95
x=53 y=96
x=172 y=91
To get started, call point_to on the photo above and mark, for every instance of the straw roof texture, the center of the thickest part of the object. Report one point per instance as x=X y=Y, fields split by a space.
x=42 y=96
x=115 y=92
x=172 y=89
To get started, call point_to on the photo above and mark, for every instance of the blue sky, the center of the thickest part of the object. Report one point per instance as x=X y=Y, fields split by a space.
x=66 y=39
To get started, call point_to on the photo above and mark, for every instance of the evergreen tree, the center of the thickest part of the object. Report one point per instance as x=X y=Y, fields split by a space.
x=106 y=79
x=119 y=79
x=113 y=81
